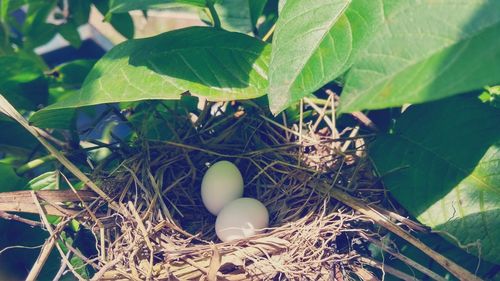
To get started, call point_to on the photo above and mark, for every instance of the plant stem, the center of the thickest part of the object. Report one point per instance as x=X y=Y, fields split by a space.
x=34 y=164
x=269 y=33
x=213 y=14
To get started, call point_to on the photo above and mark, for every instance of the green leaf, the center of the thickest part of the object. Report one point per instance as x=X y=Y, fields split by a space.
x=443 y=167
x=491 y=96
x=21 y=82
x=44 y=181
x=59 y=119
x=79 y=11
x=316 y=41
x=420 y=55
x=207 y=62
x=123 y=6
x=18 y=70
x=4 y=10
x=17 y=140
x=9 y=180
x=35 y=29
x=72 y=74
x=239 y=15
x=5 y=47
x=69 y=31
x=121 y=22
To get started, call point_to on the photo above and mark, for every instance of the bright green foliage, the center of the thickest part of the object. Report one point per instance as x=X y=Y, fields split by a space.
x=123 y=6
x=45 y=181
x=441 y=161
x=316 y=41
x=206 y=62
x=491 y=95
x=426 y=50
x=442 y=164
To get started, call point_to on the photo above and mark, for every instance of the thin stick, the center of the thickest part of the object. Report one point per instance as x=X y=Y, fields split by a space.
x=145 y=234
x=7 y=216
x=353 y=133
x=455 y=269
x=42 y=258
x=389 y=269
x=62 y=269
x=269 y=33
x=7 y=109
x=54 y=234
x=321 y=112
x=360 y=116
x=406 y=260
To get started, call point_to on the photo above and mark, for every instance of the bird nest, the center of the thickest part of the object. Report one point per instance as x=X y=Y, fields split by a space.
x=162 y=230
x=150 y=223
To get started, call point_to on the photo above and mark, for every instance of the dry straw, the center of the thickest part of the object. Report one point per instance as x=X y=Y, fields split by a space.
x=316 y=182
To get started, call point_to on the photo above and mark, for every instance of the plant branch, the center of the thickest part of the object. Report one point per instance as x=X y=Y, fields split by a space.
x=358 y=205
x=7 y=109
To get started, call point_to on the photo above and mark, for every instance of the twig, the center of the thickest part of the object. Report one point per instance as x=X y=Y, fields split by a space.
x=360 y=116
x=145 y=234
x=21 y=201
x=389 y=269
x=321 y=112
x=7 y=216
x=7 y=109
x=42 y=258
x=406 y=260
x=62 y=269
x=455 y=269
x=269 y=33
x=53 y=235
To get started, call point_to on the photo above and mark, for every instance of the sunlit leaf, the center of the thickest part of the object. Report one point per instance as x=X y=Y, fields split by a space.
x=205 y=62
x=314 y=42
x=426 y=50
x=444 y=168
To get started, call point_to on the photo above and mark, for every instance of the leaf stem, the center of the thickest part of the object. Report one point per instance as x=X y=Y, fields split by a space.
x=213 y=14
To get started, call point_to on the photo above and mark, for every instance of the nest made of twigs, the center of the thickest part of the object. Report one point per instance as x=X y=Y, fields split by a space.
x=163 y=231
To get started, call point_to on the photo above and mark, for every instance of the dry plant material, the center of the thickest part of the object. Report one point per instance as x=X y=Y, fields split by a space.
x=156 y=228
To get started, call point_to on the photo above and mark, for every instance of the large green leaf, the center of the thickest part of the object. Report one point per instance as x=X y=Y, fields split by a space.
x=443 y=165
x=315 y=41
x=207 y=62
x=426 y=50
x=123 y=6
